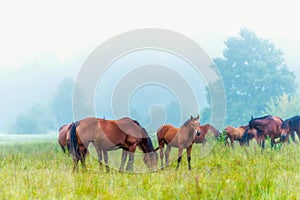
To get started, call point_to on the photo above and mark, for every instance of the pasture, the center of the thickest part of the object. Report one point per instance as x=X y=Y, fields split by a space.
x=39 y=170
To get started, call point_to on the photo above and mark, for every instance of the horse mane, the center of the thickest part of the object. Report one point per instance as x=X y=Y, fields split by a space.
x=285 y=123
x=146 y=139
x=187 y=122
x=264 y=117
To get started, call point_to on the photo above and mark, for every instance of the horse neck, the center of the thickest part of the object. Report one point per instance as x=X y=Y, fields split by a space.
x=187 y=129
x=146 y=145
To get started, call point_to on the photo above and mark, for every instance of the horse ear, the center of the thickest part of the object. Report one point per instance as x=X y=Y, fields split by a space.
x=191 y=118
x=251 y=117
x=198 y=117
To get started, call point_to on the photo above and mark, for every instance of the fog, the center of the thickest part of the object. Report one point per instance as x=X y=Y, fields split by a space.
x=41 y=44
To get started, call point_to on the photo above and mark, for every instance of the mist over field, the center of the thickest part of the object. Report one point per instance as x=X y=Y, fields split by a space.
x=36 y=79
x=42 y=53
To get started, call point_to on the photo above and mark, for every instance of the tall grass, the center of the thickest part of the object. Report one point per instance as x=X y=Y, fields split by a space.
x=42 y=171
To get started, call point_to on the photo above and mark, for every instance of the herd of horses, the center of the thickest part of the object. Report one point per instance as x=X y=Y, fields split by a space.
x=128 y=135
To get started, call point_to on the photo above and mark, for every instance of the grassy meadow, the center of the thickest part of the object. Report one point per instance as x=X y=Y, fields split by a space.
x=39 y=170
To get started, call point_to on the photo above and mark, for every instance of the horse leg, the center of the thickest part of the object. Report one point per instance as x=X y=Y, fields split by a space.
x=180 y=150
x=99 y=153
x=82 y=155
x=75 y=166
x=161 y=154
x=226 y=140
x=189 y=150
x=292 y=133
x=263 y=142
x=131 y=150
x=106 y=160
x=167 y=153
x=232 y=142
x=272 y=141
x=123 y=160
x=130 y=162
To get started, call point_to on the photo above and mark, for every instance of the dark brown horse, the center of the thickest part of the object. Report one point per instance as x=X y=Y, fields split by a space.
x=204 y=131
x=181 y=138
x=289 y=127
x=233 y=134
x=265 y=126
x=63 y=132
x=108 y=135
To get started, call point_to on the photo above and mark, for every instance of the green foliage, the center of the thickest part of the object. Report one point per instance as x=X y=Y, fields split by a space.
x=34 y=121
x=40 y=119
x=283 y=106
x=253 y=72
x=222 y=137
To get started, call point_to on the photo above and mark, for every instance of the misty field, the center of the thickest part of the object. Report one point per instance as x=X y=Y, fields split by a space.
x=39 y=170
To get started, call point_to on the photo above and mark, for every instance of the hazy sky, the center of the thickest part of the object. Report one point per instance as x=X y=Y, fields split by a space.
x=40 y=33
x=65 y=27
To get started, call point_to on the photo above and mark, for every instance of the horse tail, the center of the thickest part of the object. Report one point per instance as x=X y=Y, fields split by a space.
x=74 y=149
x=161 y=132
x=62 y=147
x=216 y=132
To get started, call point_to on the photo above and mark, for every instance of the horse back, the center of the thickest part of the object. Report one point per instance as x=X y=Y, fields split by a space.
x=167 y=132
x=63 y=133
x=294 y=123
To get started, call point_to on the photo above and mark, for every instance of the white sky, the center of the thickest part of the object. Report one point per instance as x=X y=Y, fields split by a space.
x=65 y=27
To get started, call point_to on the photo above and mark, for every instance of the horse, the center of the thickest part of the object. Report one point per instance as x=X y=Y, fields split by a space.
x=235 y=134
x=289 y=127
x=265 y=126
x=108 y=135
x=204 y=130
x=181 y=138
x=62 y=136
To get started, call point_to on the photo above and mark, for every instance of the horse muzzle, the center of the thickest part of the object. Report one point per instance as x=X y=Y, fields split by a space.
x=283 y=137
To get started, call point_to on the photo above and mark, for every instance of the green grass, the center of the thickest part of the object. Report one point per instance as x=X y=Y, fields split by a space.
x=42 y=171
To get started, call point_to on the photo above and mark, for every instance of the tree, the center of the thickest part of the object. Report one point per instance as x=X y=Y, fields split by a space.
x=61 y=103
x=283 y=106
x=35 y=121
x=253 y=72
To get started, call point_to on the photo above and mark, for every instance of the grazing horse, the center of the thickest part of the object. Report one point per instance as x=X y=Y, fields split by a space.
x=265 y=126
x=62 y=136
x=235 y=134
x=108 y=135
x=182 y=138
x=289 y=127
x=204 y=130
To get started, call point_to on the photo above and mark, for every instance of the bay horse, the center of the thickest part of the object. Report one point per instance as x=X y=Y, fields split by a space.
x=62 y=136
x=289 y=127
x=181 y=138
x=108 y=135
x=204 y=130
x=265 y=126
x=233 y=134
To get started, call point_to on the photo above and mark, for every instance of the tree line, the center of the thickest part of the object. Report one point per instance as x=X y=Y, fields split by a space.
x=256 y=79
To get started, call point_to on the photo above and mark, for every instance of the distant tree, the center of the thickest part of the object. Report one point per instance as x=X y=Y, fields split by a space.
x=253 y=72
x=35 y=121
x=283 y=106
x=40 y=119
x=215 y=113
x=173 y=113
x=61 y=103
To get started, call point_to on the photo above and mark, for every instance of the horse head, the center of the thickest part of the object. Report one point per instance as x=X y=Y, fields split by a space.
x=285 y=129
x=193 y=124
